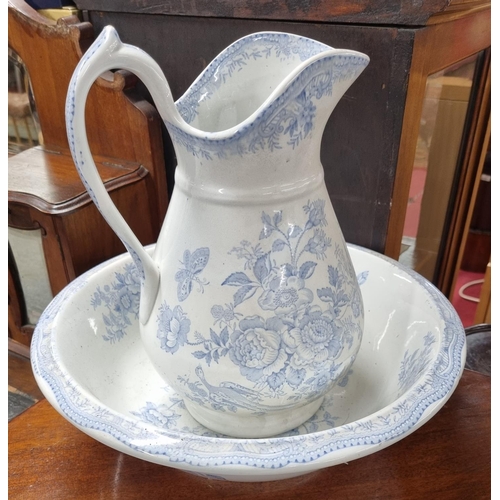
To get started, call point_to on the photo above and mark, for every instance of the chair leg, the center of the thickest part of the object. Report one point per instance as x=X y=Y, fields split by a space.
x=16 y=130
x=28 y=131
x=19 y=330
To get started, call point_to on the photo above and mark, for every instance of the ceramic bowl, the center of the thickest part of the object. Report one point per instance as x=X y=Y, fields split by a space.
x=411 y=359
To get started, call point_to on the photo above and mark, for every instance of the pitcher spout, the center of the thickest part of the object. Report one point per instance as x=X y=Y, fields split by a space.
x=241 y=83
x=269 y=93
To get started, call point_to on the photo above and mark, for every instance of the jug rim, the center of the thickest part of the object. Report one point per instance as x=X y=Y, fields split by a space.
x=183 y=127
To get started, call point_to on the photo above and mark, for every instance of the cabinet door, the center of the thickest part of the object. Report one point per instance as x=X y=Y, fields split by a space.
x=444 y=128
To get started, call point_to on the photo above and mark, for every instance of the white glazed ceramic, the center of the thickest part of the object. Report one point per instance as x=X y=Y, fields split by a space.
x=250 y=308
x=94 y=370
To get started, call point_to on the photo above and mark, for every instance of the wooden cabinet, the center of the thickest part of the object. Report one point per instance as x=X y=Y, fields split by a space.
x=369 y=143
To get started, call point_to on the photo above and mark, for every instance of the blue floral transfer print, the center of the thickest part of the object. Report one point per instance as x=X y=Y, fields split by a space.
x=173 y=327
x=286 y=121
x=257 y=347
x=413 y=365
x=121 y=300
x=315 y=339
x=172 y=414
x=280 y=46
x=285 y=295
x=297 y=339
x=160 y=415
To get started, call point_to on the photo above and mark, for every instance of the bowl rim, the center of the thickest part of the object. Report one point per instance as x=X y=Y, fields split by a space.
x=196 y=452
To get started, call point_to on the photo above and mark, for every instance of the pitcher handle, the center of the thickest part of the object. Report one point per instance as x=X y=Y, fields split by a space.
x=107 y=53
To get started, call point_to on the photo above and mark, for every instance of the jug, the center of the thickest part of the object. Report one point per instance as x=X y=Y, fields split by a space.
x=250 y=307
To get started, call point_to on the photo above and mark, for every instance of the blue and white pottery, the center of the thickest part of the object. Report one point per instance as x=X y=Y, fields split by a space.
x=91 y=365
x=249 y=307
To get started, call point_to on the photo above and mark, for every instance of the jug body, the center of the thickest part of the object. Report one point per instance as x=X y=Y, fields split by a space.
x=259 y=312
x=255 y=312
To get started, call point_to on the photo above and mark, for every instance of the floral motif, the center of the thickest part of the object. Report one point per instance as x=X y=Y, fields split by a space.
x=315 y=339
x=162 y=416
x=257 y=347
x=284 y=295
x=121 y=299
x=318 y=244
x=173 y=327
x=316 y=212
x=413 y=365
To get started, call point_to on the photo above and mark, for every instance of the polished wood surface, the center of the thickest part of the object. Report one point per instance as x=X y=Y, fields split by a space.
x=48 y=180
x=447 y=458
x=20 y=376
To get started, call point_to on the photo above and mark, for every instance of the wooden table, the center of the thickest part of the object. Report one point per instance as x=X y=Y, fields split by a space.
x=447 y=458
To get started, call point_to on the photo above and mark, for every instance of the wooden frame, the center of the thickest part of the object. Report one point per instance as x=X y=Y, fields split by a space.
x=388 y=12
x=475 y=154
x=20 y=330
x=483 y=311
x=465 y=35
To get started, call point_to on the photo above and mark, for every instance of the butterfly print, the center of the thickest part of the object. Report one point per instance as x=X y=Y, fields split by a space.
x=193 y=263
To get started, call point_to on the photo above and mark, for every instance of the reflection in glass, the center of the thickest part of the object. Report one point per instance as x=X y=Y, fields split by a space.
x=30 y=261
x=24 y=131
x=435 y=165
